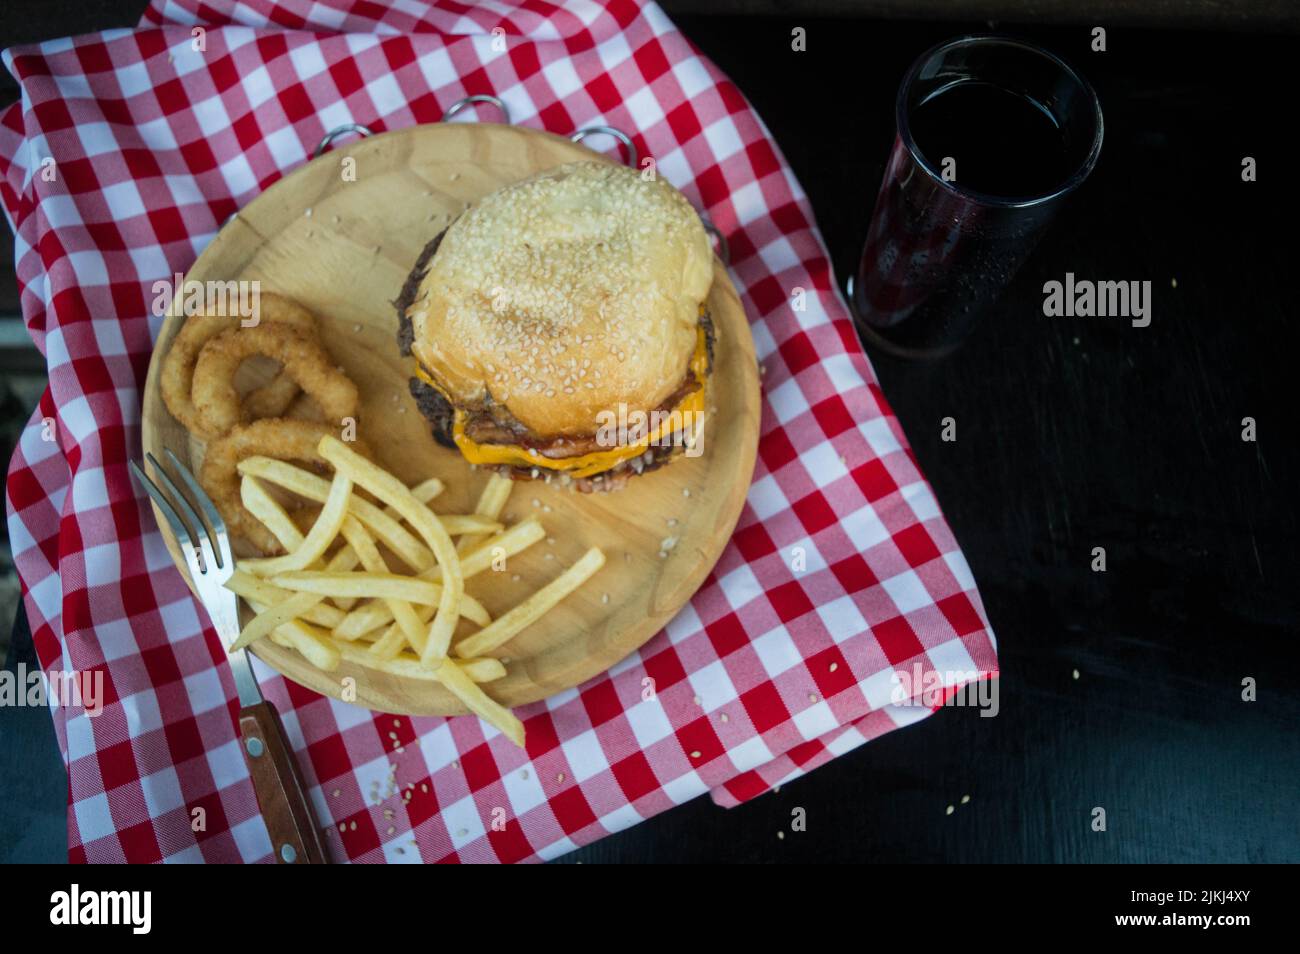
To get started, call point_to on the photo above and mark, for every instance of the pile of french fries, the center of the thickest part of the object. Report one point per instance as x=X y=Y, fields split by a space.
x=351 y=604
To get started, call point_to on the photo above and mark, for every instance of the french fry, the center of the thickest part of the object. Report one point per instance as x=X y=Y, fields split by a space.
x=268 y=510
x=359 y=540
x=405 y=664
x=424 y=491
x=313 y=644
x=392 y=642
x=347 y=557
x=486 y=669
x=322 y=533
x=384 y=586
x=369 y=615
x=251 y=588
x=270 y=618
x=513 y=540
x=478 y=702
x=394 y=493
x=306 y=484
x=504 y=628
x=457 y=524
x=490 y=504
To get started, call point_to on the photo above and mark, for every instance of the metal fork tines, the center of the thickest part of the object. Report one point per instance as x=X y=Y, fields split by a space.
x=210 y=560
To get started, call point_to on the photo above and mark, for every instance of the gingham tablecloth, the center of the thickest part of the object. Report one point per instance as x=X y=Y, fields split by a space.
x=778 y=664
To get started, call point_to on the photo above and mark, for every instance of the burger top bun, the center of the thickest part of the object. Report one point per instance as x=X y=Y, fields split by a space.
x=562 y=295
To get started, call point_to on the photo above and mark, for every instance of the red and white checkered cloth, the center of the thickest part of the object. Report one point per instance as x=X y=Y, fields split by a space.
x=768 y=672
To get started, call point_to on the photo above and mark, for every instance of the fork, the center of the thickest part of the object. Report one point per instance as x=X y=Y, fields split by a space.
x=277 y=781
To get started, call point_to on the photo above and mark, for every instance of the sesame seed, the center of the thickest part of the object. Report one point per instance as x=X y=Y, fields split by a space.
x=353 y=826
x=604 y=597
x=695 y=754
x=560 y=777
x=391 y=829
x=834 y=666
x=949 y=810
x=780 y=835
x=725 y=717
x=965 y=799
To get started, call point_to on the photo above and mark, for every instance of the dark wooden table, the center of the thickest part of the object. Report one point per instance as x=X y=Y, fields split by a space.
x=1074 y=434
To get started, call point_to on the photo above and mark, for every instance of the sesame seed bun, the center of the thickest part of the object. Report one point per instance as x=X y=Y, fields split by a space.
x=563 y=295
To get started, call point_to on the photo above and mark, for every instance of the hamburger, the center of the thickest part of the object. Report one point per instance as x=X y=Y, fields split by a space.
x=559 y=327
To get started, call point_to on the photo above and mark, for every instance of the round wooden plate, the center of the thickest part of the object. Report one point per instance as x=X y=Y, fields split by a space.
x=342 y=246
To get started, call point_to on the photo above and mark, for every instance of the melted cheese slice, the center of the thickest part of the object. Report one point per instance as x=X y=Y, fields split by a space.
x=597 y=462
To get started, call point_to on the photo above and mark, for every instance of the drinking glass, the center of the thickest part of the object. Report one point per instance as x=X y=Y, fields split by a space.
x=992 y=134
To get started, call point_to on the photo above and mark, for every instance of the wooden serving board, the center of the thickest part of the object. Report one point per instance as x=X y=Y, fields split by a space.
x=343 y=248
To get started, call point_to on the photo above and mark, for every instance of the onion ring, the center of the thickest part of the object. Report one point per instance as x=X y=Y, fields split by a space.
x=283 y=439
x=270 y=400
x=301 y=358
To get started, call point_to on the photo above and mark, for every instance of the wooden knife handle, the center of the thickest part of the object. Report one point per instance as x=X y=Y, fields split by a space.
x=278 y=785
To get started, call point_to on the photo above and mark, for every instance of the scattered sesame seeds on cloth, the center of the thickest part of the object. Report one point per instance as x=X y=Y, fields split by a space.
x=128 y=150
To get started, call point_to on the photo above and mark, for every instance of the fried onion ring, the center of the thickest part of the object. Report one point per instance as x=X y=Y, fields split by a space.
x=271 y=400
x=301 y=358
x=282 y=439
